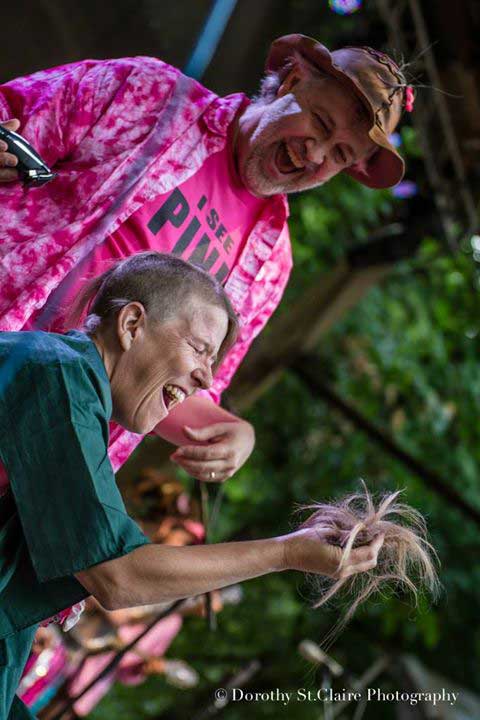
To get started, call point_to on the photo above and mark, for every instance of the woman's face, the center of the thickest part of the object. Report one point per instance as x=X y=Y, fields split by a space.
x=153 y=366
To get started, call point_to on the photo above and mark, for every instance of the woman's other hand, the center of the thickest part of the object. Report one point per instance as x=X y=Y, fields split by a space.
x=227 y=446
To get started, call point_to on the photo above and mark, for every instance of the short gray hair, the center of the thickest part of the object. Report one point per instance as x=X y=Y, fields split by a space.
x=162 y=283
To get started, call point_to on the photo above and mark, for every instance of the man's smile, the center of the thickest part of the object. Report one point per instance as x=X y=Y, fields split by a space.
x=287 y=159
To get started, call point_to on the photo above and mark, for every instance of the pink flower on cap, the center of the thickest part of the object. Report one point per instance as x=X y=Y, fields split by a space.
x=409 y=98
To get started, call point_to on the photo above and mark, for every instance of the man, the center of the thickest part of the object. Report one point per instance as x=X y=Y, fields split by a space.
x=149 y=159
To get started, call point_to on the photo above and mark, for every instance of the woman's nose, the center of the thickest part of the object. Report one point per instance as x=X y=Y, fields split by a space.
x=203 y=376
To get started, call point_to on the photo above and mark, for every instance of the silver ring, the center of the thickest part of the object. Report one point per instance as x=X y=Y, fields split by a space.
x=212 y=475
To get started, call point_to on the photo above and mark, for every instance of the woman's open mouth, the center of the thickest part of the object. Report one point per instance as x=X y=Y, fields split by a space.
x=172 y=395
x=287 y=161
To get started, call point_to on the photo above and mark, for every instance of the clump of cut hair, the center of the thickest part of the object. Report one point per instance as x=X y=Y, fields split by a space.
x=406 y=560
x=162 y=283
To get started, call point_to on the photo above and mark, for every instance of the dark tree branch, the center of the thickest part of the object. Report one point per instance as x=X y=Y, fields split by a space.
x=306 y=368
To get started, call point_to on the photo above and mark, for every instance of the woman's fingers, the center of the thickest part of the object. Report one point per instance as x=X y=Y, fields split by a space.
x=229 y=445
x=307 y=551
x=213 y=471
x=355 y=569
x=363 y=558
x=200 y=461
x=202 y=453
x=207 y=433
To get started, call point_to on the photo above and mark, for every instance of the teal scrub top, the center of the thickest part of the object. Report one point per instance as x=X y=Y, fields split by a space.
x=63 y=512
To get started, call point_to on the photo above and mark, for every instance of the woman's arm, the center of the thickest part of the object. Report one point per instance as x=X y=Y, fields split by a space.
x=161 y=573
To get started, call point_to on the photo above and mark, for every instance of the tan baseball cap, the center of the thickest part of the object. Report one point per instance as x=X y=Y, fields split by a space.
x=375 y=79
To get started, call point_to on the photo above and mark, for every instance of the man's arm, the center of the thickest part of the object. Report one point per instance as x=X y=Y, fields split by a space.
x=57 y=108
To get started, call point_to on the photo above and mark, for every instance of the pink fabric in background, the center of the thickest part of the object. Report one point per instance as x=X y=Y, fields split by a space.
x=206 y=219
x=56 y=666
x=129 y=670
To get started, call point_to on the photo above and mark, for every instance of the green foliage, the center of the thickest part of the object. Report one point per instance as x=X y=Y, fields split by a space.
x=327 y=221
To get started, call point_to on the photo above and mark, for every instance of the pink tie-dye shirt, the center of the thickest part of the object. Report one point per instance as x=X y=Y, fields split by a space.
x=119 y=132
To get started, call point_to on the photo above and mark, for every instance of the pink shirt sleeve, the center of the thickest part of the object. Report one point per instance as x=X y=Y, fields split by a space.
x=57 y=107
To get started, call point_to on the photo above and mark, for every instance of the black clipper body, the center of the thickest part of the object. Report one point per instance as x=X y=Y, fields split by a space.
x=31 y=168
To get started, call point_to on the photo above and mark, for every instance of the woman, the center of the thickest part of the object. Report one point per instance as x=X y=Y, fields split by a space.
x=156 y=329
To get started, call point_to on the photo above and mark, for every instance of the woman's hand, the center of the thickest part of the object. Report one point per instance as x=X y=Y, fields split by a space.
x=8 y=160
x=228 y=446
x=307 y=552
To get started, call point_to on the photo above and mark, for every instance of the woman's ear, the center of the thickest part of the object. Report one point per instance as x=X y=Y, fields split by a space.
x=131 y=322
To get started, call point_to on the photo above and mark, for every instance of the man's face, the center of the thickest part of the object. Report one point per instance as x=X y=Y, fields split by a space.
x=163 y=363
x=314 y=129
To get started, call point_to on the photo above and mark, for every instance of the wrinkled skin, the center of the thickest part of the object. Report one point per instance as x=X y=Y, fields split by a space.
x=314 y=129
x=142 y=357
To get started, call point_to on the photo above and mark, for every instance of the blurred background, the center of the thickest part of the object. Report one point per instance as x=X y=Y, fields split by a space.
x=368 y=370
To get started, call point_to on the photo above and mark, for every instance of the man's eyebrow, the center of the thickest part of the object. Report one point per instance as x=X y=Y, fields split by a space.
x=330 y=120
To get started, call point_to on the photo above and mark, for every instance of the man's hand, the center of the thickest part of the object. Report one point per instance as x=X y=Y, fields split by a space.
x=8 y=160
x=228 y=446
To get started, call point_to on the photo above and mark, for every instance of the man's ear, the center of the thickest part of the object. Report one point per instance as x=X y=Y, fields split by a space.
x=292 y=75
x=292 y=78
x=131 y=321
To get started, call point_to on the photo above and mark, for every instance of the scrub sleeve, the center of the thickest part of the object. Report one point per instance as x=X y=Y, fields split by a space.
x=66 y=513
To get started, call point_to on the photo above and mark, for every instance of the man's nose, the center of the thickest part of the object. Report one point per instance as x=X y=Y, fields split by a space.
x=316 y=151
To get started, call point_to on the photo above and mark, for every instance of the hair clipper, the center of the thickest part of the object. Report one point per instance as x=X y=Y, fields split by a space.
x=31 y=168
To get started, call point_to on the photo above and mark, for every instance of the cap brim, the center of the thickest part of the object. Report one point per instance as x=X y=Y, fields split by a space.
x=386 y=168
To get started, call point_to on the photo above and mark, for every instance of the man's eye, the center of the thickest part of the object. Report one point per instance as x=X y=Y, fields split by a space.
x=322 y=123
x=341 y=155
